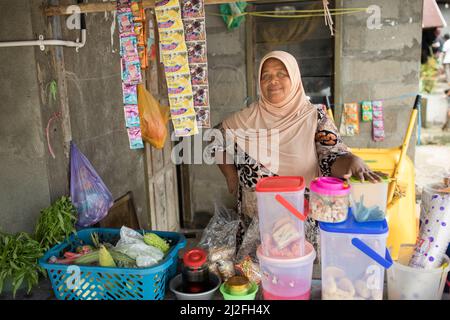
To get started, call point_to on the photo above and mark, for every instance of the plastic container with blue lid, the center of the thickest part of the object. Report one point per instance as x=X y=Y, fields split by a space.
x=353 y=258
x=351 y=225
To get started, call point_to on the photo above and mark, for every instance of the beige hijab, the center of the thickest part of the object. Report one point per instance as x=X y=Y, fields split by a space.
x=295 y=119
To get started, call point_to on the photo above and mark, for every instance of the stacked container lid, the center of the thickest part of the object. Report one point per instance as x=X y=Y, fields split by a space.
x=286 y=259
x=354 y=257
x=353 y=250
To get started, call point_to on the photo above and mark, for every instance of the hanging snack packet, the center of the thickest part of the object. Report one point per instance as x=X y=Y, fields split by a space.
x=203 y=117
x=201 y=96
x=123 y=5
x=169 y=19
x=131 y=71
x=197 y=51
x=378 y=122
x=351 y=121
x=128 y=47
x=137 y=10
x=176 y=63
x=199 y=74
x=131 y=116
x=166 y=3
x=179 y=84
x=181 y=106
x=192 y=9
x=185 y=126
x=129 y=94
x=172 y=41
x=366 y=108
x=135 y=138
x=195 y=30
x=125 y=21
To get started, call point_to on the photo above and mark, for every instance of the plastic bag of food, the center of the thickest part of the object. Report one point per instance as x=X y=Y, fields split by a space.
x=88 y=192
x=132 y=244
x=219 y=239
x=153 y=118
x=250 y=242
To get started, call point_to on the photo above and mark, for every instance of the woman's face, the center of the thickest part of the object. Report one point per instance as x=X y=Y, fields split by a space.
x=275 y=81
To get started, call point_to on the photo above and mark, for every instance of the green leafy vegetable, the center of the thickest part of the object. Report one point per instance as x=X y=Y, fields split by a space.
x=19 y=255
x=56 y=223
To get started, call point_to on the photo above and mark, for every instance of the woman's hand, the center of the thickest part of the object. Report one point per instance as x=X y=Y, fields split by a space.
x=351 y=165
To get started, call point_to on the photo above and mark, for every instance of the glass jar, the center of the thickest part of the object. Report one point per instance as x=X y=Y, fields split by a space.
x=195 y=273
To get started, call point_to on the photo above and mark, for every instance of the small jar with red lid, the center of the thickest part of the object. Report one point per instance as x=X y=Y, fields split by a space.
x=195 y=272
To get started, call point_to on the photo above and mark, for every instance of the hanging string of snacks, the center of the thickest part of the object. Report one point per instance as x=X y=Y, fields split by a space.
x=176 y=67
x=350 y=120
x=378 y=122
x=130 y=70
x=193 y=14
x=140 y=29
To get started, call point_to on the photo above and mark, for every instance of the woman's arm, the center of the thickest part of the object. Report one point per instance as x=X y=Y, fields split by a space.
x=335 y=158
x=229 y=171
x=225 y=162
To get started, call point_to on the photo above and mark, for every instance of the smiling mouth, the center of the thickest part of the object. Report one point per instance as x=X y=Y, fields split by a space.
x=275 y=90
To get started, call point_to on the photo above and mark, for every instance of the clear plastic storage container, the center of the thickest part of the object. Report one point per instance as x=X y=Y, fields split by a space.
x=354 y=258
x=369 y=199
x=408 y=283
x=281 y=216
x=329 y=199
x=287 y=279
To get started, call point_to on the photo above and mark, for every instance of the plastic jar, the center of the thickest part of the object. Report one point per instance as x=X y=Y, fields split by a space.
x=329 y=199
x=195 y=273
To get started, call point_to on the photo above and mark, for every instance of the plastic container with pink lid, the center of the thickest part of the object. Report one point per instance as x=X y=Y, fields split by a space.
x=329 y=199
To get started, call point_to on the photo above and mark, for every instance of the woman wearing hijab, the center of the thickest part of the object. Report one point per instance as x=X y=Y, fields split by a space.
x=308 y=142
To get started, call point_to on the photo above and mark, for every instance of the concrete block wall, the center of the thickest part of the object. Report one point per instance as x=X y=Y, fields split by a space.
x=30 y=179
x=24 y=188
x=381 y=64
x=227 y=81
x=96 y=108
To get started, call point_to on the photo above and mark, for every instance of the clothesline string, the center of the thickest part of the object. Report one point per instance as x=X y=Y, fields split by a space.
x=273 y=14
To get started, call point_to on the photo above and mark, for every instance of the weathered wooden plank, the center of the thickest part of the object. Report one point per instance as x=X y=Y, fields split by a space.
x=157 y=160
x=172 y=224
x=161 y=202
x=151 y=193
x=61 y=10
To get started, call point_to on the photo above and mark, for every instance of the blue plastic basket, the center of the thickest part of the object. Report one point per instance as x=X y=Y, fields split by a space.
x=72 y=282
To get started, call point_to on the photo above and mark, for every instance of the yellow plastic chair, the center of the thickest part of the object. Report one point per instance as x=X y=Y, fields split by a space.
x=401 y=209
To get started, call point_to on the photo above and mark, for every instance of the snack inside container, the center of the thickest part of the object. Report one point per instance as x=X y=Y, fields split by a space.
x=329 y=199
x=369 y=200
x=354 y=259
x=281 y=216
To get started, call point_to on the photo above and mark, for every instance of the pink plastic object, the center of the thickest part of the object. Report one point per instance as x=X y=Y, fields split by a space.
x=287 y=279
x=330 y=186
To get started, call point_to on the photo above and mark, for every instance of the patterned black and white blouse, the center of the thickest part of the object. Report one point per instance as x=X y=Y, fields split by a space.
x=329 y=146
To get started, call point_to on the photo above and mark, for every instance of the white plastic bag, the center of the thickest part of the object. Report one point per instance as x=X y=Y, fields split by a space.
x=132 y=244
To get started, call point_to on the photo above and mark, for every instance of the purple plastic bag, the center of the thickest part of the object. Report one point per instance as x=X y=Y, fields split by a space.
x=89 y=194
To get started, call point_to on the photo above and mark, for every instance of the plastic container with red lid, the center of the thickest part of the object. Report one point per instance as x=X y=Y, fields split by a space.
x=195 y=273
x=281 y=211
x=329 y=199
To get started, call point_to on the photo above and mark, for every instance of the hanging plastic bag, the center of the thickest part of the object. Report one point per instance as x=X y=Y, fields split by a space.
x=153 y=118
x=233 y=14
x=89 y=194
